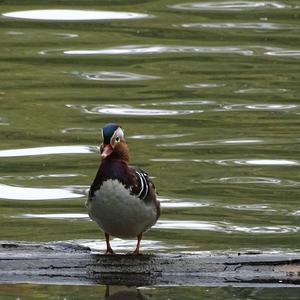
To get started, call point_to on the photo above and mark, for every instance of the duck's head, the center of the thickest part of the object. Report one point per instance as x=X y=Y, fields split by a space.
x=113 y=144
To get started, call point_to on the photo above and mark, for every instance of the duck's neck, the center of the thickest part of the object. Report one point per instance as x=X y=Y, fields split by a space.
x=120 y=152
x=116 y=158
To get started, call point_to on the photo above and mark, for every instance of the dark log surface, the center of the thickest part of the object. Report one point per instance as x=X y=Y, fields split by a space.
x=67 y=263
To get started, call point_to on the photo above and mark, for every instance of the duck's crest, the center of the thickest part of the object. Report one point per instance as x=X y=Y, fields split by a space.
x=107 y=132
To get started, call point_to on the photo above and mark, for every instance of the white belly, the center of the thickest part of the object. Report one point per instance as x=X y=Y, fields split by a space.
x=120 y=214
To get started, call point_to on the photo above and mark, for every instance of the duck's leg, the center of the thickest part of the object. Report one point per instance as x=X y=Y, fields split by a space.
x=109 y=250
x=137 y=249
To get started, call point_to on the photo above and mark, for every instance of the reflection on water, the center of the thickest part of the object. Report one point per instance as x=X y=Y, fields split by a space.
x=251 y=207
x=265 y=162
x=139 y=111
x=26 y=193
x=181 y=103
x=120 y=245
x=48 y=151
x=263 y=107
x=224 y=227
x=68 y=216
x=180 y=203
x=43 y=176
x=257 y=26
x=160 y=49
x=232 y=162
x=137 y=50
x=255 y=180
x=79 y=130
x=72 y=15
x=204 y=85
x=284 y=53
x=261 y=91
x=126 y=110
x=212 y=143
x=124 y=294
x=114 y=76
x=231 y=5
x=3 y=122
x=67 y=35
x=295 y=213
x=213 y=106
x=158 y=136
x=15 y=33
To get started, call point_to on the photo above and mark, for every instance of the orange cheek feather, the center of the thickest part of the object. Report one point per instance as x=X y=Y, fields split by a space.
x=121 y=150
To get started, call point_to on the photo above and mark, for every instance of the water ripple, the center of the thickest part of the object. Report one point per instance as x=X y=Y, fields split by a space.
x=79 y=130
x=255 y=180
x=217 y=107
x=42 y=176
x=283 y=52
x=114 y=76
x=251 y=207
x=255 y=26
x=67 y=35
x=295 y=213
x=181 y=203
x=26 y=193
x=127 y=110
x=204 y=85
x=261 y=91
x=123 y=245
x=73 y=15
x=3 y=122
x=224 y=227
x=262 y=107
x=75 y=149
x=181 y=103
x=62 y=216
x=234 y=162
x=212 y=143
x=158 y=136
x=259 y=162
x=160 y=49
x=231 y=5
x=15 y=33
x=171 y=160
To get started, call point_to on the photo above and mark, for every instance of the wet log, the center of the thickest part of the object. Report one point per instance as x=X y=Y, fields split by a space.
x=69 y=263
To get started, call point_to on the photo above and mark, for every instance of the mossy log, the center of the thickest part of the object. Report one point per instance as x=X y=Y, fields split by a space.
x=68 y=263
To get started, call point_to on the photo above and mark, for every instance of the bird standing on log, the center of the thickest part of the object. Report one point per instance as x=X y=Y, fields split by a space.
x=122 y=199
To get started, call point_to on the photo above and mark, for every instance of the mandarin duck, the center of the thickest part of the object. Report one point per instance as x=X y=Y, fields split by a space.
x=122 y=199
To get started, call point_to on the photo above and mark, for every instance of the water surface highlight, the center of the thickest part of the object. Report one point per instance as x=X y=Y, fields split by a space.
x=73 y=15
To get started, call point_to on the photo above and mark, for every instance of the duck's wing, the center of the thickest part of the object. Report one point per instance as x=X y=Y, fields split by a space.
x=144 y=188
x=142 y=184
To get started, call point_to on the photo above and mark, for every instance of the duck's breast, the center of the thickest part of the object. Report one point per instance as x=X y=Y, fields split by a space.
x=119 y=213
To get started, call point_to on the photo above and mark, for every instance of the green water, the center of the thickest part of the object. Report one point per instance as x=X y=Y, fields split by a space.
x=120 y=293
x=208 y=95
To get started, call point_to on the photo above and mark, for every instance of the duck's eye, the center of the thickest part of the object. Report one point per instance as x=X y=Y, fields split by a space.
x=117 y=139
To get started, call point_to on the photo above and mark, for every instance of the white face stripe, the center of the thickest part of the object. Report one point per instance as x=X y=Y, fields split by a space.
x=102 y=136
x=119 y=133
